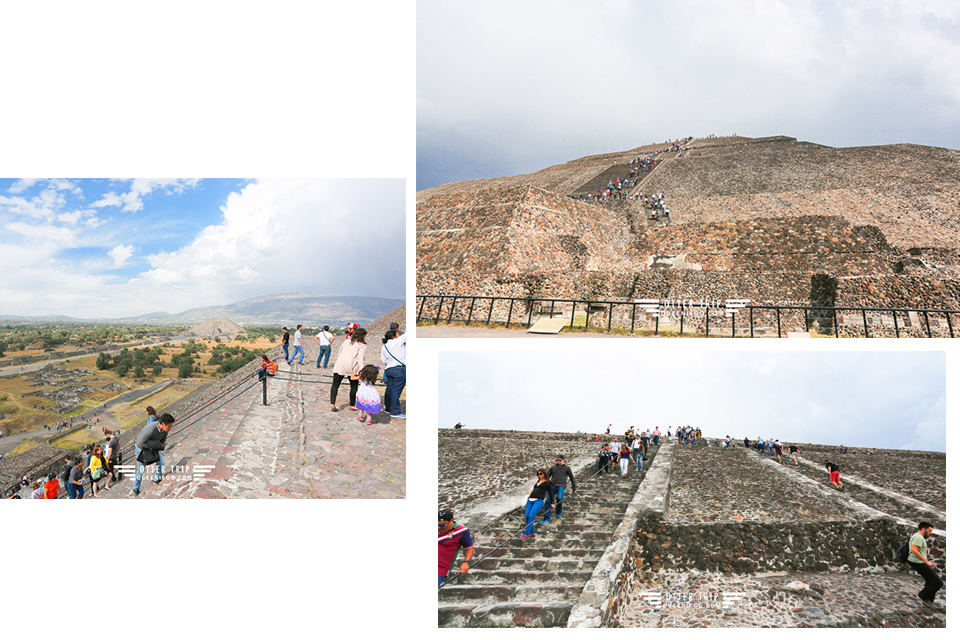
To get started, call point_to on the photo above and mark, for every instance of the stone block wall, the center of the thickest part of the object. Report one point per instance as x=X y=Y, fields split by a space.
x=36 y=461
x=756 y=547
x=476 y=464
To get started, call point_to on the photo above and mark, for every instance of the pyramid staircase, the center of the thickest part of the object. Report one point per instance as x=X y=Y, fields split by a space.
x=537 y=582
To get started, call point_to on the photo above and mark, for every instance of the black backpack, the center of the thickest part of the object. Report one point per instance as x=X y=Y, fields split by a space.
x=904 y=552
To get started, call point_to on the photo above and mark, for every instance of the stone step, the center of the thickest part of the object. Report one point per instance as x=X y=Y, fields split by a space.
x=505 y=614
x=531 y=551
x=502 y=593
x=524 y=576
x=539 y=580
x=538 y=564
x=549 y=532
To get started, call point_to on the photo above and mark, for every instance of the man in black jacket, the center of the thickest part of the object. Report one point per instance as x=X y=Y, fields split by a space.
x=558 y=474
x=149 y=449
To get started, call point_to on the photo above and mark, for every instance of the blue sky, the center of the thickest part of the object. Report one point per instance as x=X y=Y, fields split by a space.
x=511 y=87
x=889 y=400
x=115 y=248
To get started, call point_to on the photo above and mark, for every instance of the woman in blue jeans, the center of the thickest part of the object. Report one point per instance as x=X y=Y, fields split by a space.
x=541 y=489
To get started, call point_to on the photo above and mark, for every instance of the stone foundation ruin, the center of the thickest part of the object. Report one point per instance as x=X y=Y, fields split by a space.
x=705 y=536
x=769 y=220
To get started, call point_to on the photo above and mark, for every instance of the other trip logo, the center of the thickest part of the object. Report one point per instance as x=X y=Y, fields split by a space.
x=658 y=600
x=182 y=473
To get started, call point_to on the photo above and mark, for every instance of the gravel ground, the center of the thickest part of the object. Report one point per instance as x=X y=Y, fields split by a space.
x=761 y=600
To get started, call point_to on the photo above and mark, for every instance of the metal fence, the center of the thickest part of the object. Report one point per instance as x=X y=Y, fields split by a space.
x=723 y=318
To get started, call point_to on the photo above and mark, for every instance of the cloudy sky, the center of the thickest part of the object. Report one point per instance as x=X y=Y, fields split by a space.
x=115 y=248
x=879 y=399
x=509 y=87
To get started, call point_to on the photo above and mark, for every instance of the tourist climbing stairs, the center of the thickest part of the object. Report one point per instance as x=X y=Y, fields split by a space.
x=537 y=582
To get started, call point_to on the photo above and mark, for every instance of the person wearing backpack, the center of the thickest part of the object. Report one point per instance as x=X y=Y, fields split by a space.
x=922 y=564
x=393 y=354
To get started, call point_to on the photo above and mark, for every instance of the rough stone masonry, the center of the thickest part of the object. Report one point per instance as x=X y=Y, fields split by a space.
x=702 y=521
x=766 y=219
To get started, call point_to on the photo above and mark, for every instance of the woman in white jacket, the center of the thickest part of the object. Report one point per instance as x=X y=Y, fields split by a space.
x=348 y=365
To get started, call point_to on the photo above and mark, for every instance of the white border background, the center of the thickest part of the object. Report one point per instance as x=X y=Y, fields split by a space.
x=242 y=89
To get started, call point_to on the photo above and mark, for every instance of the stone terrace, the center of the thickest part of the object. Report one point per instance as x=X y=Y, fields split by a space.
x=476 y=464
x=909 y=192
x=711 y=484
x=881 y=223
x=806 y=555
x=561 y=178
x=293 y=447
x=919 y=474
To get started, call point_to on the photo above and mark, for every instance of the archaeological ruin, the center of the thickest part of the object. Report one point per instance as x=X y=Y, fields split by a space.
x=770 y=220
x=704 y=536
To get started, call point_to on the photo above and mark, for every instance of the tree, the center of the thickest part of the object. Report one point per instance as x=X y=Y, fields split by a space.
x=157 y=370
x=138 y=372
x=103 y=361
x=122 y=369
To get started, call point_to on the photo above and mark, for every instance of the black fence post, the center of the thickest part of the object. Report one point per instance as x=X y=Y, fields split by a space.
x=573 y=313
x=706 y=317
x=510 y=312
x=610 y=318
x=779 y=335
x=633 y=318
x=529 y=312
x=926 y=321
x=423 y=301
x=452 y=305
x=264 y=380
x=949 y=323
x=490 y=311
x=470 y=312
x=439 y=309
x=733 y=325
x=866 y=332
x=586 y=326
x=896 y=326
x=751 y=321
x=836 y=328
x=681 y=318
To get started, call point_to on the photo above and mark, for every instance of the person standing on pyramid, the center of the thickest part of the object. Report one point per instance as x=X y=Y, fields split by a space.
x=558 y=475
x=297 y=345
x=325 y=340
x=286 y=345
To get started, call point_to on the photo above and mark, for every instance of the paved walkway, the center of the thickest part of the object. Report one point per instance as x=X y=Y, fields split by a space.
x=832 y=600
x=444 y=331
x=293 y=447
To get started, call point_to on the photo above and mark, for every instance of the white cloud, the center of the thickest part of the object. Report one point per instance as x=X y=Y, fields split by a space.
x=58 y=236
x=285 y=235
x=120 y=254
x=110 y=199
x=22 y=185
x=132 y=200
x=274 y=236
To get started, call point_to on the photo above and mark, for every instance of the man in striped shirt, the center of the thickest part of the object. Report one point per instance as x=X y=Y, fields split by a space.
x=450 y=538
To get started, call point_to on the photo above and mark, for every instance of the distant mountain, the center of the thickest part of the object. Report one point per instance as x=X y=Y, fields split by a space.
x=289 y=309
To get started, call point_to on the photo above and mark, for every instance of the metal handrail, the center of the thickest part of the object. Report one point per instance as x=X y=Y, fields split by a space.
x=684 y=306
